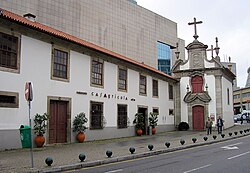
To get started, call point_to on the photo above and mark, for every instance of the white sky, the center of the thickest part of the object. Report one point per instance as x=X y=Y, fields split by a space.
x=229 y=20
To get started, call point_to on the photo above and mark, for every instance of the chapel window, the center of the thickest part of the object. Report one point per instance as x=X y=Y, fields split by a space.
x=197 y=84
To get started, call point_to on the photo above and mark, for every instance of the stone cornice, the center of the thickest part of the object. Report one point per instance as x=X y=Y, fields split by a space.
x=196 y=45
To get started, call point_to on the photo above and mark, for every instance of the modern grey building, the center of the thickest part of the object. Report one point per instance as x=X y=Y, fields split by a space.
x=121 y=26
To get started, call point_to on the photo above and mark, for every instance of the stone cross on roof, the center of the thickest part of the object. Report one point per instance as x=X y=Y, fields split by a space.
x=212 y=50
x=195 y=30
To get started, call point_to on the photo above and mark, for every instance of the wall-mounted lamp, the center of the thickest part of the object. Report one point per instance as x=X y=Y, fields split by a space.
x=206 y=87
x=177 y=54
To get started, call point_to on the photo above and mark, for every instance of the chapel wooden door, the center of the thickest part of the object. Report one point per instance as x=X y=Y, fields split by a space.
x=58 y=122
x=198 y=117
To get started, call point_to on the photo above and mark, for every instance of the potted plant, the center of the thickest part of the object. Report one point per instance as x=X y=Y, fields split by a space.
x=153 y=119
x=139 y=123
x=40 y=124
x=79 y=126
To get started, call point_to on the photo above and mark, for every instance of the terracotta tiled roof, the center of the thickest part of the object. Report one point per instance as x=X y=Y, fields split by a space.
x=19 y=19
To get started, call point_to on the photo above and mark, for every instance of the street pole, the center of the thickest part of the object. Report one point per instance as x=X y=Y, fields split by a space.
x=241 y=107
x=31 y=147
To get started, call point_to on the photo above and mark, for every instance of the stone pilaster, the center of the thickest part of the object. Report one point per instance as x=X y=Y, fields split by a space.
x=218 y=94
x=177 y=102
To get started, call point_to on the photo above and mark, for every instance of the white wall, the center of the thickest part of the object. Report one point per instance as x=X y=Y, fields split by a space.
x=227 y=108
x=184 y=108
x=185 y=66
x=210 y=81
x=209 y=64
x=34 y=55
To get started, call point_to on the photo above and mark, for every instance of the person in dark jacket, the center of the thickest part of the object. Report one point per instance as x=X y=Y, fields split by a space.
x=220 y=124
x=241 y=119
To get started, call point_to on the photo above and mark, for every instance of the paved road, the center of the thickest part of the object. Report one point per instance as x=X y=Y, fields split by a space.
x=229 y=157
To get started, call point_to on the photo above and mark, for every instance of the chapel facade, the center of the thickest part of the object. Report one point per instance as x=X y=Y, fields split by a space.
x=205 y=87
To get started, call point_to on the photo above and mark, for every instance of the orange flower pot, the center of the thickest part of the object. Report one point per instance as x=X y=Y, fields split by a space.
x=139 y=132
x=80 y=137
x=39 y=141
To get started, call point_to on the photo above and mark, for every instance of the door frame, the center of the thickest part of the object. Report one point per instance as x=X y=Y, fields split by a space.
x=68 y=129
x=197 y=102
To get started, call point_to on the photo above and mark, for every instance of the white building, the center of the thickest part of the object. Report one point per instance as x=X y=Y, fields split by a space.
x=70 y=76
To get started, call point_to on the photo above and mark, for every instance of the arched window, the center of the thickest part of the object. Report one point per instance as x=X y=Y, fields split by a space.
x=197 y=83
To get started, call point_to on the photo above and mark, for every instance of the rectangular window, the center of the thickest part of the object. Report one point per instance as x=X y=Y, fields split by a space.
x=9 y=99
x=96 y=115
x=170 y=92
x=8 y=51
x=236 y=96
x=156 y=111
x=97 y=72
x=171 y=112
x=122 y=116
x=245 y=95
x=155 y=88
x=164 y=57
x=122 y=81
x=228 y=96
x=143 y=85
x=60 y=64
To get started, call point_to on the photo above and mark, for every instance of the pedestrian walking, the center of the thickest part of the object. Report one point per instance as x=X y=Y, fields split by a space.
x=220 y=124
x=209 y=124
x=241 y=119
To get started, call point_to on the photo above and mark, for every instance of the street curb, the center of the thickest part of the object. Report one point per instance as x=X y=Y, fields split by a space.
x=132 y=156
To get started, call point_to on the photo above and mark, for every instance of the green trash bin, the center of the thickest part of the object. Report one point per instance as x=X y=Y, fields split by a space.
x=25 y=135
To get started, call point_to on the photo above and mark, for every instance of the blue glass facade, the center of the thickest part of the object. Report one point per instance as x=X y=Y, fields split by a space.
x=164 y=57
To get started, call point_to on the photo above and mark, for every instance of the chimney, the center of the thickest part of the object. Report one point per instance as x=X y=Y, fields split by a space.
x=30 y=17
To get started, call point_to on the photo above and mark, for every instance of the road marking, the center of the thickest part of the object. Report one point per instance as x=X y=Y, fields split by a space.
x=238 y=155
x=232 y=146
x=195 y=169
x=118 y=170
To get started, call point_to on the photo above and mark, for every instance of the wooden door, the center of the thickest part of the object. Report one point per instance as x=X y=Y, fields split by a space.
x=144 y=112
x=96 y=118
x=198 y=118
x=58 y=122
